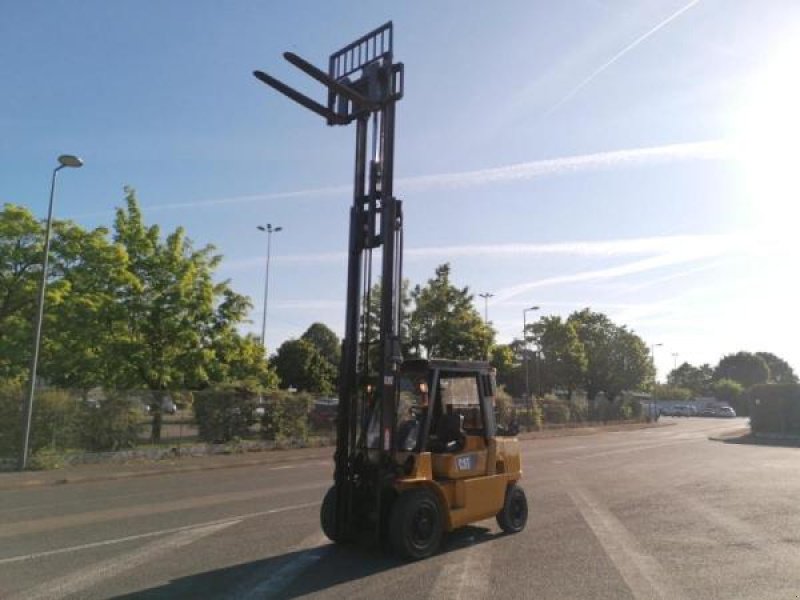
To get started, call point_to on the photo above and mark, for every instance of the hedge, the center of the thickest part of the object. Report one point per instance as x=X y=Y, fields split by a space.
x=774 y=408
x=225 y=413
x=286 y=416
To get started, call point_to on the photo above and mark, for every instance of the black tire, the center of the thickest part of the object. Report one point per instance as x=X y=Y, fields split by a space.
x=514 y=514
x=415 y=524
x=327 y=515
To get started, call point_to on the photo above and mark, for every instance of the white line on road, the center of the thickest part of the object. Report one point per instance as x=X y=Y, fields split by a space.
x=467 y=579
x=640 y=570
x=83 y=579
x=311 y=549
x=145 y=510
x=130 y=538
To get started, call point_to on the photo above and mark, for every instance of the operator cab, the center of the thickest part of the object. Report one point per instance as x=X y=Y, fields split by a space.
x=445 y=408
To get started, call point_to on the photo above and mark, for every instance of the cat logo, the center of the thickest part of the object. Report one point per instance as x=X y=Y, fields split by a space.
x=467 y=462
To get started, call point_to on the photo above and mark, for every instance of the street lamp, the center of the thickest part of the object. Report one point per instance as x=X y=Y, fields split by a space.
x=653 y=358
x=675 y=360
x=524 y=351
x=269 y=229
x=73 y=162
x=486 y=296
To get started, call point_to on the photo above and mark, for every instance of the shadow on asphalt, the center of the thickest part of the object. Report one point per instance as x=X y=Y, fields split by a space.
x=748 y=438
x=299 y=573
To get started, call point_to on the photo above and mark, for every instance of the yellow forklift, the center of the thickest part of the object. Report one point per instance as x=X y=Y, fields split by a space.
x=418 y=451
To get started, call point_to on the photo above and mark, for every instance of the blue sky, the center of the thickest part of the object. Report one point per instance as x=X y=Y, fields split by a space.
x=636 y=157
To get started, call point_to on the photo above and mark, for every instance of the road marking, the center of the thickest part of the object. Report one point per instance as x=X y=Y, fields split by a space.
x=83 y=579
x=467 y=579
x=640 y=571
x=150 y=534
x=143 y=510
x=311 y=549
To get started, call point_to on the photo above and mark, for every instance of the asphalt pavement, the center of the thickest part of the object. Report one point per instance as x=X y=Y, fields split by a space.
x=648 y=513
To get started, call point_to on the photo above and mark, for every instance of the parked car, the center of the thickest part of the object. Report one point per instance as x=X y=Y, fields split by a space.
x=324 y=412
x=681 y=410
x=168 y=406
x=726 y=411
x=709 y=411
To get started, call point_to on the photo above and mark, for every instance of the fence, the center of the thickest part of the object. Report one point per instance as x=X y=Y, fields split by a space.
x=71 y=426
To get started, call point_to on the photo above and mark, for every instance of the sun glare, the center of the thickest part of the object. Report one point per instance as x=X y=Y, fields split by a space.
x=768 y=141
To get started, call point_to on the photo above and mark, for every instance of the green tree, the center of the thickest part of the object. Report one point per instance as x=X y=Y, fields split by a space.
x=173 y=310
x=445 y=323
x=82 y=316
x=507 y=359
x=617 y=359
x=746 y=368
x=299 y=364
x=21 y=240
x=696 y=379
x=672 y=393
x=728 y=390
x=563 y=361
x=779 y=370
x=370 y=322
x=325 y=341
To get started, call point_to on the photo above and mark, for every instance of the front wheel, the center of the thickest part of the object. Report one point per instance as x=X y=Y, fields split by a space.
x=415 y=524
x=327 y=515
x=514 y=514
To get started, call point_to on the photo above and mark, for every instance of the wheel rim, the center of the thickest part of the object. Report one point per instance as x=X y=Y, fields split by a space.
x=423 y=526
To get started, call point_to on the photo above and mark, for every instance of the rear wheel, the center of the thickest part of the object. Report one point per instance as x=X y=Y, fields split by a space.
x=327 y=515
x=514 y=514
x=415 y=524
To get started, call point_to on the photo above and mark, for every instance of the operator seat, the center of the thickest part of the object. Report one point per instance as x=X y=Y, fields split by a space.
x=450 y=433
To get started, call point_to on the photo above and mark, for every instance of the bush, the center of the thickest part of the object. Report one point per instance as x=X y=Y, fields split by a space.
x=10 y=419
x=555 y=410
x=775 y=408
x=503 y=405
x=225 y=413
x=54 y=424
x=111 y=425
x=671 y=393
x=530 y=419
x=286 y=416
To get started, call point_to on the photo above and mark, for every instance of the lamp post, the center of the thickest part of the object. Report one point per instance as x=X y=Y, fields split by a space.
x=655 y=376
x=525 y=351
x=486 y=296
x=653 y=358
x=269 y=229
x=73 y=162
x=675 y=360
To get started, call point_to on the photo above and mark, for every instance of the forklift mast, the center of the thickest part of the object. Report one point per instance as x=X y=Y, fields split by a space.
x=363 y=84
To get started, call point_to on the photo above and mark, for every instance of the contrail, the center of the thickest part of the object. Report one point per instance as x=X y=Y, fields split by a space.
x=595 y=248
x=631 y=157
x=571 y=94
x=675 y=257
x=718 y=149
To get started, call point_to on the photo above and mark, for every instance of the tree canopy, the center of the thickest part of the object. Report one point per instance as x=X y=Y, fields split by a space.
x=779 y=370
x=445 y=323
x=563 y=360
x=696 y=379
x=125 y=308
x=617 y=359
x=744 y=367
x=325 y=341
x=300 y=365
